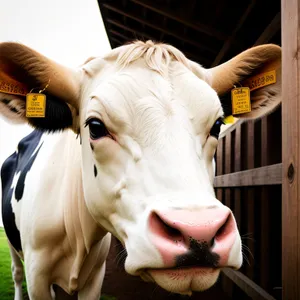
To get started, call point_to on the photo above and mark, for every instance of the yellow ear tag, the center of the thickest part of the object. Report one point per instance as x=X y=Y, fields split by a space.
x=228 y=120
x=260 y=80
x=35 y=105
x=9 y=85
x=240 y=100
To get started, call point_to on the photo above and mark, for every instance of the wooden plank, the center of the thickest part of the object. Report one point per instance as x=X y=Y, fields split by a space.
x=228 y=167
x=227 y=284
x=270 y=30
x=219 y=164
x=230 y=40
x=290 y=149
x=268 y=175
x=250 y=200
x=231 y=128
x=253 y=290
x=160 y=29
x=265 y=208
x=237 y=168
x=151 y=5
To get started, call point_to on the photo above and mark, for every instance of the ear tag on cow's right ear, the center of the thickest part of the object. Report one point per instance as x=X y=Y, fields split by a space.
x=36 y=103
x=240 y=100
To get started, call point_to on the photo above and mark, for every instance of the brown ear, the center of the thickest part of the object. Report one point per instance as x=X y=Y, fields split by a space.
x=28 y=69
x=238 y=71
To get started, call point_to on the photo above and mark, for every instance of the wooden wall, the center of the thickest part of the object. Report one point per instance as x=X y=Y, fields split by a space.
x=249 y=182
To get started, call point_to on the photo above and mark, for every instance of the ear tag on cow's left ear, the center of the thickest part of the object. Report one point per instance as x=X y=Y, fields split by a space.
x=36 y=103
x=240 y=100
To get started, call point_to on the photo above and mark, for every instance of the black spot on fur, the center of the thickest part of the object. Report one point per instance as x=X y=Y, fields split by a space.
x=215 y=130
x=13 y=109
x=95 y=171
x=21 y=181
x=5 y=101
x=92 y=146
x=226 y=104
x=198 y=255
x=22 y=162
x=58 y=116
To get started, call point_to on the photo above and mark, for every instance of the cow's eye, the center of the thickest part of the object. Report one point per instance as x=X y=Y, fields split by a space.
x=215 y=130
x=97 y=128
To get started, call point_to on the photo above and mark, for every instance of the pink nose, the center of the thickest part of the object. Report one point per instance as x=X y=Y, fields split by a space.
x=193 y=238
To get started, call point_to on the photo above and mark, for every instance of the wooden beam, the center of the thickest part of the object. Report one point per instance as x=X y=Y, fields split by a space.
x=120 y=25
x=147 y=36
x=270 y=30
x=268 y=175
x=290 y=17
x=160 y=29
x=115 y=40
x=231 y=39
x=253 y=290
x=194 y=25
x=118 y=34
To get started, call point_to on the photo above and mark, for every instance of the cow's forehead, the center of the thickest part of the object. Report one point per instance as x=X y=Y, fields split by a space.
x=137 y=96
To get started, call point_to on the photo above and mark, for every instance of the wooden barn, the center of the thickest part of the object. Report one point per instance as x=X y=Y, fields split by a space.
x=258 y=162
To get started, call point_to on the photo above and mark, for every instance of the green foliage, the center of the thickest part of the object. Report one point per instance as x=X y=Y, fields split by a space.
x=6 y=282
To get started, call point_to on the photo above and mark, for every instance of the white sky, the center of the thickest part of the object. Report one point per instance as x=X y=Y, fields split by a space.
x=68 y=31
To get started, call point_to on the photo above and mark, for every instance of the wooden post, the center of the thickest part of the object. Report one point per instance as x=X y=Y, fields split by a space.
x=220 y=170
x=290 y=149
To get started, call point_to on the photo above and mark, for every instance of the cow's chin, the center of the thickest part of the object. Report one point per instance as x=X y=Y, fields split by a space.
x=184 y=281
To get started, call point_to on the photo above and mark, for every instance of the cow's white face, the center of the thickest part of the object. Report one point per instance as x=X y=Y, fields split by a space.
x=148 y=174
x=148 y=119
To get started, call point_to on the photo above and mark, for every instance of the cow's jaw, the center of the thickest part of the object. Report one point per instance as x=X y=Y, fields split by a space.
x=146 y=257
x=185 y=281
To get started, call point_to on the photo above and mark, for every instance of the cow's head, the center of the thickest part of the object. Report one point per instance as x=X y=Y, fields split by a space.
x=149 y=120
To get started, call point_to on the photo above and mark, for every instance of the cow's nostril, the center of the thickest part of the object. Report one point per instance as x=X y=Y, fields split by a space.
x=158 y=226
x=212 y=242
x=223 y=229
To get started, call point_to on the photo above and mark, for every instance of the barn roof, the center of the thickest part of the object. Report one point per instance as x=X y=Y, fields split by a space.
x=208 y=32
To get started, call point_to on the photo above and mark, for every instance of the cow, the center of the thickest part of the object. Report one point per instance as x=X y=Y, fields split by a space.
x=125 y=147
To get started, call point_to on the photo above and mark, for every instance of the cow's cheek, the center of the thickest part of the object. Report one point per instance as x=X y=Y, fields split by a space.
x=102 y=179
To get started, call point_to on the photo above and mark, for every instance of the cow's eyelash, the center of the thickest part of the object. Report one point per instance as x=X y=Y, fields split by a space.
x=87 y=121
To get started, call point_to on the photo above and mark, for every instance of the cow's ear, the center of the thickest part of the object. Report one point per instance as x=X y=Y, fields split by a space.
x=23 y=69
x=253 y=68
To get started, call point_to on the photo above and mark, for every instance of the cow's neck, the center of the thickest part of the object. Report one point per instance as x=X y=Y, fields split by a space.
x=83 y=234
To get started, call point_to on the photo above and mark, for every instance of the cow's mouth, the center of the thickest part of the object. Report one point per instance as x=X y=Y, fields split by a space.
x=183 y=280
